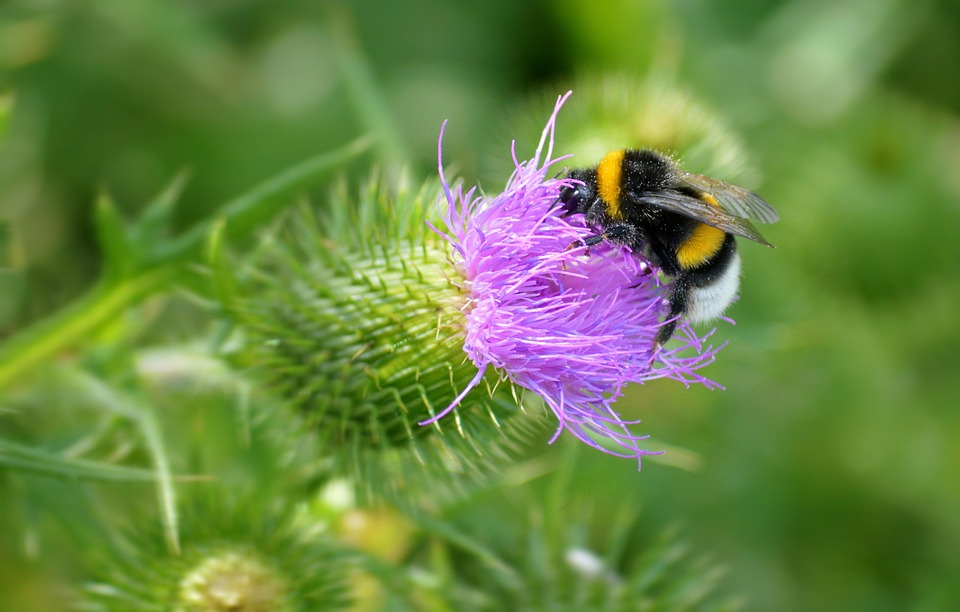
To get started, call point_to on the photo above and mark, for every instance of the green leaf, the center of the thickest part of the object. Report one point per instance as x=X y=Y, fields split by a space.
x=140 y=413
x=224 y=279
x=450 y=534
x=6 y=248
x=70 y=326
x=120 y=254
x=251 y=210
x=154 y=224
x=15 y=456
x=64 y=329
x=6 y=109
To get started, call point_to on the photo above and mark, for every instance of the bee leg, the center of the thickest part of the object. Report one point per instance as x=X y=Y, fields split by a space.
x=623 y=233
x=618 y=233
x=588 y=242
x=678 y=304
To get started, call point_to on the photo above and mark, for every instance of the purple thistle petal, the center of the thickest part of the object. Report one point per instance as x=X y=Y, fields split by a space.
x=573 y=327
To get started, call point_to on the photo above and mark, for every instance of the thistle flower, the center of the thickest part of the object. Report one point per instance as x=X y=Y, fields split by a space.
x=234 y=557
x=350 y=320
x=356 y=322
x=573 y=326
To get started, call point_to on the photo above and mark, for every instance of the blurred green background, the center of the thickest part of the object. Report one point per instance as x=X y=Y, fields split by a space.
x=827 y=475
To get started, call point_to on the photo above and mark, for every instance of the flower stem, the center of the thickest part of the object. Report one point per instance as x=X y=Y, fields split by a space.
x=109 y=297
x=67 y=327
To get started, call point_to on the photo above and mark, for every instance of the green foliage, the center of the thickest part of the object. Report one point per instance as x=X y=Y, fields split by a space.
x=138 y=380
x=550 y=556
x=6 y=105
x=24 y=458
x=233 y=557
x=135 y=270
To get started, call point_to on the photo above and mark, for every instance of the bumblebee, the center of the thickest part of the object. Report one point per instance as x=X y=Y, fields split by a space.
x=683 y=222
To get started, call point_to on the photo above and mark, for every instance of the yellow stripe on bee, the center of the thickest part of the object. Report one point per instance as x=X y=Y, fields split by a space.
x=609 y=173
x=709 y=199
x=703 y=243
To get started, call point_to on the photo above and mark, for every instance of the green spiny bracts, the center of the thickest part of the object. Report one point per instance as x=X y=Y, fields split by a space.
x=361 y=345
x=234 y=557
x=613 y=111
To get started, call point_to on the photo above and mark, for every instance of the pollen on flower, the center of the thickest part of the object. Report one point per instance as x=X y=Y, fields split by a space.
x=573 y=326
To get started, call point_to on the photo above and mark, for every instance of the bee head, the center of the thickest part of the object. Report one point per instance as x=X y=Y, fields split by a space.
x=578 y=197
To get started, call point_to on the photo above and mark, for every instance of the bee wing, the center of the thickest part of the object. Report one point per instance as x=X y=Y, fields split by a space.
x=699 y=210
x=738 y=202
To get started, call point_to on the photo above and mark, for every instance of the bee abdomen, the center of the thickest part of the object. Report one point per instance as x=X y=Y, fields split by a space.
x=710 y=294
x=697 y=249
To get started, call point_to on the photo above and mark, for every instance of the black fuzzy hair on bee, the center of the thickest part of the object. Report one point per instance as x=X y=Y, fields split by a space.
x=683 y=222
